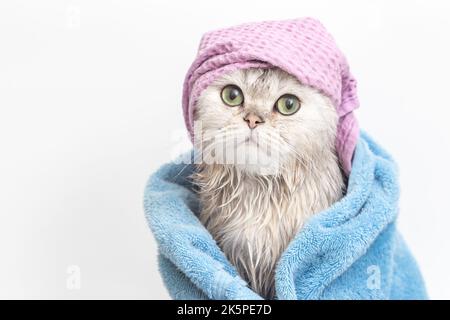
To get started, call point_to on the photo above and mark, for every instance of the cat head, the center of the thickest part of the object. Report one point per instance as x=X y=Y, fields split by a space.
x=301 y=47
x=263 y=121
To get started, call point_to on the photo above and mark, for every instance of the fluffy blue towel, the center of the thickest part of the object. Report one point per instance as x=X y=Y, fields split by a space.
x=350 y=251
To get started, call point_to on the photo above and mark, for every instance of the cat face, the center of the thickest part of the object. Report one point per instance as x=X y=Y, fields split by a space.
x=263 y=121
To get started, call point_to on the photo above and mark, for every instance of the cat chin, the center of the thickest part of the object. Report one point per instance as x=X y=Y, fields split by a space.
x=252 y=159
x=257 y=170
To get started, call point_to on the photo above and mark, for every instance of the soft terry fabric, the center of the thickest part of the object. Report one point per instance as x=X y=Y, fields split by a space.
x=301 y=47
x=350 y=251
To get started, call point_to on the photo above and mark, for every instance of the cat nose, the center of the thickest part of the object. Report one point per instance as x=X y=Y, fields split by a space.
x=253 y=120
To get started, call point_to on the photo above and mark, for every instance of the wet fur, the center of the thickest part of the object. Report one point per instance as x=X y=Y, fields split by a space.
x=253 y=211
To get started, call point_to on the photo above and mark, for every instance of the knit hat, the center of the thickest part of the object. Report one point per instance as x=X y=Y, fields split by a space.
x=301 y=47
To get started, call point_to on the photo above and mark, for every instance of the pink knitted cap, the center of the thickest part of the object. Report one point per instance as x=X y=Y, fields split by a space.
x=301 y=47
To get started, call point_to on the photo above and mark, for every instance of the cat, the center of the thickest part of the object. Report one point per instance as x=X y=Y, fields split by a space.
x=282 y=170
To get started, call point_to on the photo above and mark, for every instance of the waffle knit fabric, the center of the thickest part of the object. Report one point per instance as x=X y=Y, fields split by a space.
x=301 y=47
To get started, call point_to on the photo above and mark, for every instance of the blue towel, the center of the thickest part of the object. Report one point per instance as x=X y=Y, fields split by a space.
x=352 y=250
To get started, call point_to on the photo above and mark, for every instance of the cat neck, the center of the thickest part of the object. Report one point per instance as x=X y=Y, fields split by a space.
x=319 y=184
x=253 y=218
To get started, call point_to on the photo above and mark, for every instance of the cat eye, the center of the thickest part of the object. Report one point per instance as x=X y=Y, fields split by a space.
x=287 y=104
x=232 y=95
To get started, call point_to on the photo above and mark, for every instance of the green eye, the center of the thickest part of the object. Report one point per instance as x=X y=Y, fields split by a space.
x=232 y=95
x=287 y=104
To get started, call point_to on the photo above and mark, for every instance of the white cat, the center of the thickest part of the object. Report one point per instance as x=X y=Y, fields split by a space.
x=269 y=163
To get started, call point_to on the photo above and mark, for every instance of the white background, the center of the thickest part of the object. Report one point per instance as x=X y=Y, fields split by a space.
x=90 y=97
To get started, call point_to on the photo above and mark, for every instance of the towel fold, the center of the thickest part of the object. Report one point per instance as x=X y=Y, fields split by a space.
x=352 y=250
